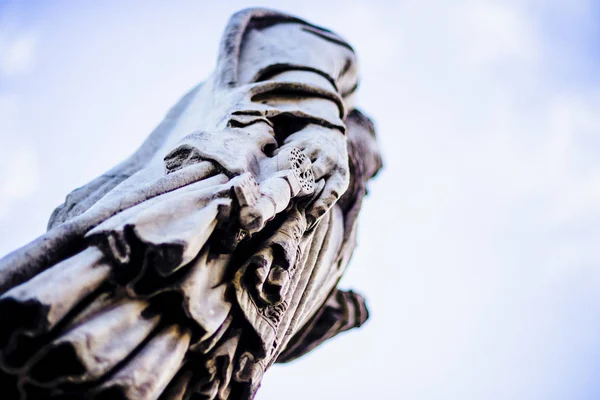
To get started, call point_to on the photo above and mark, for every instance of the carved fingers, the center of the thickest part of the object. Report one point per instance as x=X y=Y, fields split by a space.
x=285 y=176
x=327 y=150
x=312 y=161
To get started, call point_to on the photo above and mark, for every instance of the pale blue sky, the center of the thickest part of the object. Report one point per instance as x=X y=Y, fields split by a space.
x=479 y=247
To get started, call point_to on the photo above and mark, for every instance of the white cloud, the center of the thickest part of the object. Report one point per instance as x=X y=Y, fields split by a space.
x=17 y=55
x=17 y=45
x=19 y=172
x=496 y=31
x=20 y=175
x=574 y=123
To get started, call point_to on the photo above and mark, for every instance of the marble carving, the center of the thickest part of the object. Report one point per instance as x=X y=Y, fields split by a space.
x=215 y=250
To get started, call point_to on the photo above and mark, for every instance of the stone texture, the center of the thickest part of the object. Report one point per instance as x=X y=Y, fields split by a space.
x=215 y=250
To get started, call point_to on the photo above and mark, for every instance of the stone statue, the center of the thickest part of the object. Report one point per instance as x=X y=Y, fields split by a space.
x=216 y=248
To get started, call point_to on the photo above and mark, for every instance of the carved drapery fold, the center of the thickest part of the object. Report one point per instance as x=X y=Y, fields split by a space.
x=216 y=249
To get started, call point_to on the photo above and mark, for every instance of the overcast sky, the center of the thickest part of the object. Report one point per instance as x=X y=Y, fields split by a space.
x=479 y=247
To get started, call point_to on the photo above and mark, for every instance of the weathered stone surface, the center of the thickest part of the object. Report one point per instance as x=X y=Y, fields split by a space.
x=215 y=250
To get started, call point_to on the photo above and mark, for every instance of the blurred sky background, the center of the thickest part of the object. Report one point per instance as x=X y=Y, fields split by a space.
x=479 y=248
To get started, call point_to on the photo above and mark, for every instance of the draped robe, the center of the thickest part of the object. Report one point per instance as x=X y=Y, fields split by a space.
x=194 y=265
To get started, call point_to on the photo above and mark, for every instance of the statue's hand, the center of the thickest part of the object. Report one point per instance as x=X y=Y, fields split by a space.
x=242 y=151
x=286 y=176
x=327 y=150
